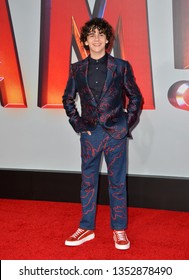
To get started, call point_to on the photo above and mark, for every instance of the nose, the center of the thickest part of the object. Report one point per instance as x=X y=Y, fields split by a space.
x=96 y=37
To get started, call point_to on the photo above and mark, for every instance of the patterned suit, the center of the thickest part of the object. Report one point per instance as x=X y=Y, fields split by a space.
x=110 y=125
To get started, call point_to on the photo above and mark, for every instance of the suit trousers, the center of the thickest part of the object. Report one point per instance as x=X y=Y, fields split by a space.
x=114 y=150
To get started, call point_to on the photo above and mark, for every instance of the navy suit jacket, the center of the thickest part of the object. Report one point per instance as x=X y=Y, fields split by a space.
x=109 y=111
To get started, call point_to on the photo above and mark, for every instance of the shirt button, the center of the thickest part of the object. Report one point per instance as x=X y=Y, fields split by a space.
x=96 y=68
x=96 y=82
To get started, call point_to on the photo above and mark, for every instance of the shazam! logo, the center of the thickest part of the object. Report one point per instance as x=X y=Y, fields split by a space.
x=60 y=34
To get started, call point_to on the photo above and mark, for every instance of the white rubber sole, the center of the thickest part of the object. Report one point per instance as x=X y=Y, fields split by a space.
x=79 y=242
x=122 y=247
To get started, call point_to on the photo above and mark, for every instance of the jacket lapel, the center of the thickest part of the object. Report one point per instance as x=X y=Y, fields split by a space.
x=111 y=66
x=84 y=72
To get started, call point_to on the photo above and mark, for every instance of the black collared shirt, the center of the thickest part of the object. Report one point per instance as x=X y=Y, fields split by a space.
x=97 y=72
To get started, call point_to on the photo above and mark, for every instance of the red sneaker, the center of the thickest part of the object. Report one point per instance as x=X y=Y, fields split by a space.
x=79 y=237
x=121 y=240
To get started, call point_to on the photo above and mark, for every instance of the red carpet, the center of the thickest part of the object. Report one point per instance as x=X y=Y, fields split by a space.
x=36 y=230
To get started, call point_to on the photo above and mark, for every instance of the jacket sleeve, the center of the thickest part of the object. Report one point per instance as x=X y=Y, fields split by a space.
x=68 y=100
x=133 y=94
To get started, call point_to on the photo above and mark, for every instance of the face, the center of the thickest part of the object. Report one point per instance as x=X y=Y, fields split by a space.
x=97 y=42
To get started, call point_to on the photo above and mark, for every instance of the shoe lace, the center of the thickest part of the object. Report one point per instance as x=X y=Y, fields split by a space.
x=78 y=232
x=121 y=235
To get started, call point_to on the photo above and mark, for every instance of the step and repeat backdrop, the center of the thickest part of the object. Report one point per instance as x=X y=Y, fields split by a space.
x=39 y=40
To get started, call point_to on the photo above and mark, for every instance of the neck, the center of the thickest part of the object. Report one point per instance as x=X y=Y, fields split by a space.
x=97 y=55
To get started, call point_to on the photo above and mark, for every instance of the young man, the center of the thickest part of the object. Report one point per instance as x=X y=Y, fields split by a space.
x=102 y=83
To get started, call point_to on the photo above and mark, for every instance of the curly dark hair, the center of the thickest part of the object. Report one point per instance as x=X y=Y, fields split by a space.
x=96 y=23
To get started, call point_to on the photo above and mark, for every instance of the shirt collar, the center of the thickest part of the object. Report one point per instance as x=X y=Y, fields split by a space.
x=98 y=61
